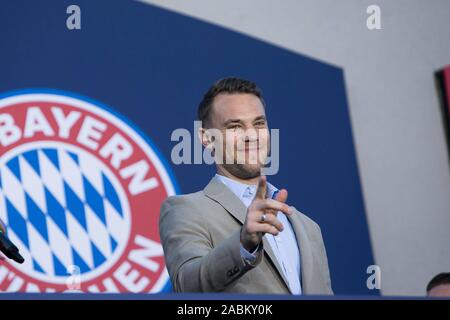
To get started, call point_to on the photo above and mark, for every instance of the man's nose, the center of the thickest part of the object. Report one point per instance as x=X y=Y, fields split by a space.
x=251 y=135
x=250 y=139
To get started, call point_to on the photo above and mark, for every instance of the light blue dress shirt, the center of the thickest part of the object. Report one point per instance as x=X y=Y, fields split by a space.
x=284 y=245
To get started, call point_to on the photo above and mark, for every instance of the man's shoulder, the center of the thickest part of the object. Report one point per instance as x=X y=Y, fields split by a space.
x=190 y=203
x=307 y=221
x=186 y=199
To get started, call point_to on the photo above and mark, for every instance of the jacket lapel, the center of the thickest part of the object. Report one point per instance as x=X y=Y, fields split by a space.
x=306 y=253
x=220 y=193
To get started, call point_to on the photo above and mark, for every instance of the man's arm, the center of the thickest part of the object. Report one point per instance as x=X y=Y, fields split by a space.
x=193 y=263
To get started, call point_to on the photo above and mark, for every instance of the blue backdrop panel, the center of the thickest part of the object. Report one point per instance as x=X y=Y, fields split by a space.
x=153 y=66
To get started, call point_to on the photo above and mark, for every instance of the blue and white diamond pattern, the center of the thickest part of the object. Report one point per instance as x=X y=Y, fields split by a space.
x=62 y=207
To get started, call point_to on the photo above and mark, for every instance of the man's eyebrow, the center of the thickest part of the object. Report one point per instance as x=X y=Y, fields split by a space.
x=231 y=121
x=260 y=118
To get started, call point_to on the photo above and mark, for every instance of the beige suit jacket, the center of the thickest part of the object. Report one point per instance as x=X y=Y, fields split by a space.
x=200 y=234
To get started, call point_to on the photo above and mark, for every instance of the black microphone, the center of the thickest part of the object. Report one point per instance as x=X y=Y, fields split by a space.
x=9 y=249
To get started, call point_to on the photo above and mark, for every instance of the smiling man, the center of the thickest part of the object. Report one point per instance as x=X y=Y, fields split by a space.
x=239 y=234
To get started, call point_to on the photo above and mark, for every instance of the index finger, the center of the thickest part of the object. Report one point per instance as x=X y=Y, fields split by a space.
x=262 y=188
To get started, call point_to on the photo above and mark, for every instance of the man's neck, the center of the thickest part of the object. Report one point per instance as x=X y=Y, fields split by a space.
x=225 y=173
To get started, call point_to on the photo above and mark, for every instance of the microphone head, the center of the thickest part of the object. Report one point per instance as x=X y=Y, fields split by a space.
x=9 y=249
x=18 y=258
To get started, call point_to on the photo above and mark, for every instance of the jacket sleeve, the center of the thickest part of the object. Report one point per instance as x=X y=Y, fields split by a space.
x=194 y=264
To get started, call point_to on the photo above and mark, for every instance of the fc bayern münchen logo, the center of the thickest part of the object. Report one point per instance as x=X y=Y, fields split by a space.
x=80 y=192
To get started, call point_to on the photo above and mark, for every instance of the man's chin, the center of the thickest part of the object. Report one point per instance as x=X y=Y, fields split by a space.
x=244 y=171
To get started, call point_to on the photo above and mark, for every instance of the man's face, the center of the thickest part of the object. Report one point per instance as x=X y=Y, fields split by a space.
x=242 y=121
x=442 y=290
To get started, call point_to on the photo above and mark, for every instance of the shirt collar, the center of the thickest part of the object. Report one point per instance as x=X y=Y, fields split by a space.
x=242 y=190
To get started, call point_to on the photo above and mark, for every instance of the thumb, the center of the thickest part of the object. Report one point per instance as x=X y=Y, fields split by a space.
x=282 y=195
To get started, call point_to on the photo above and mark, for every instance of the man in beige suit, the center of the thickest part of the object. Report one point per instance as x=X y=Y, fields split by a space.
x=238 y=234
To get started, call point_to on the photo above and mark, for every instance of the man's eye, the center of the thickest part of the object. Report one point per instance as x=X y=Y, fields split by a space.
x=260 y=124
x=233 y=127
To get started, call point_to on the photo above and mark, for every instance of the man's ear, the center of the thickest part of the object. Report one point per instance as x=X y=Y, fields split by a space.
x=204 y=137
